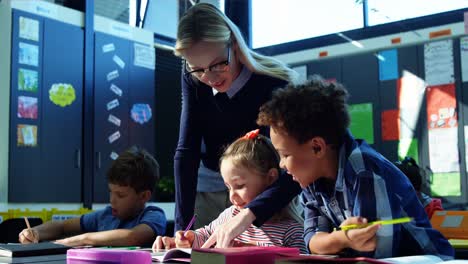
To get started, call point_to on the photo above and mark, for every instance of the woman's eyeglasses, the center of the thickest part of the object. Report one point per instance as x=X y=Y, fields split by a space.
x=217 y=67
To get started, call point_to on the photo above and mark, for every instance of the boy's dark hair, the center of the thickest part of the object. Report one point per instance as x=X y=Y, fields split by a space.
x=136 y=168
x=414 y=173
x=315 y=108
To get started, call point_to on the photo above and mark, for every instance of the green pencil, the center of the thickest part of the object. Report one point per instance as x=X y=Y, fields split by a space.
x=122 y=247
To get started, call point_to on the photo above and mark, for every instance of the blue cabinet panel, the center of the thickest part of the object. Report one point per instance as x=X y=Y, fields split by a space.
x=114 y=128
x=109 y=137
x=45 y=139
x=25 y=175
x=142 y=92
x=62 y=125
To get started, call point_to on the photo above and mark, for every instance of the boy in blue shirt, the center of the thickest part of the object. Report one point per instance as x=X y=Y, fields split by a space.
x=126 y=221
x=344 y=180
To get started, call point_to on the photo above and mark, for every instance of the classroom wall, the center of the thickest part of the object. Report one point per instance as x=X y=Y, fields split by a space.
x=68 y=16
x=5 y=51
x=368 y=45
x=71 y=17
x=357 y=66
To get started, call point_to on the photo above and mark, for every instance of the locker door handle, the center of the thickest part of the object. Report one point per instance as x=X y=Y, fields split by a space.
x=98 y=159
x=78 y=159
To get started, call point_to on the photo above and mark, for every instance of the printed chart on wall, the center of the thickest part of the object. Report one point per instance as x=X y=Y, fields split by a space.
x=144 y=56
x=438 y=62
x=442 y=120
x=362 y=122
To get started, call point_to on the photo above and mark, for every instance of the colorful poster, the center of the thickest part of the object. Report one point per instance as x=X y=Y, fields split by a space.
x=408 y=147
x=141 y=113
x=391 y=124
x=62 y=94
x=362 y=122
x=388 y=64
x=27 y=107
x=438 y=62
x=26 y=136
x=441 y=106
x=27 y=80
x=410 y=94
x=464 y=57
x=28 y=54
x=144 y=56
x=446 y=184
x=443 y=150
x=28 y=28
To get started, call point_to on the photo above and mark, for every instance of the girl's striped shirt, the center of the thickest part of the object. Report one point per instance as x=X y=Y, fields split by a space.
x=285 y=233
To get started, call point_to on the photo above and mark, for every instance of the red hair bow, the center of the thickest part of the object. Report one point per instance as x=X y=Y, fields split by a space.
x=252 y=134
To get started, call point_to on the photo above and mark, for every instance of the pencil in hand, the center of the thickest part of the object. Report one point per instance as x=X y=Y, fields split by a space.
x=190 y=224
x=30 y=230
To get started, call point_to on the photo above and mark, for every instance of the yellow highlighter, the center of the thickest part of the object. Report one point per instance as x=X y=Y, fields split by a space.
x=380 y=222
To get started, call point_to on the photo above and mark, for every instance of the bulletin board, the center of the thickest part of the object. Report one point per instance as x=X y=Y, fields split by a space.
x=410 y=101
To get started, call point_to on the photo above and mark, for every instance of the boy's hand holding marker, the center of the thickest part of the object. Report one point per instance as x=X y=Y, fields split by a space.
x=361 y=239
x=362 y=235
x=379 y=222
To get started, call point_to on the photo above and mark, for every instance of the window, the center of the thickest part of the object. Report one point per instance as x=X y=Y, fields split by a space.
x=275 y=21
x=381 y=12
x=162 y=17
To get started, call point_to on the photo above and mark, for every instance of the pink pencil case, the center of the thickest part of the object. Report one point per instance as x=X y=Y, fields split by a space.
x=107 y=256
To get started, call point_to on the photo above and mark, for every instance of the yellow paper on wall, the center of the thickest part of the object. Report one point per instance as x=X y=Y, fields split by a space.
x=62 y=94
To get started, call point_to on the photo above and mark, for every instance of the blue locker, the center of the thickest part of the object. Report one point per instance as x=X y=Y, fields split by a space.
x=142 y=92
x=44 y=164
x=62 y=125
x=109 y=136
x=114 y=98
x=25 y=155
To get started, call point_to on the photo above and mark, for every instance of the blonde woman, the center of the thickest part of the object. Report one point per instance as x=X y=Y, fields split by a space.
x=224 y=83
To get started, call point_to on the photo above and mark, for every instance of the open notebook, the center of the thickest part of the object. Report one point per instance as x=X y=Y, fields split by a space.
x=172 y=255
